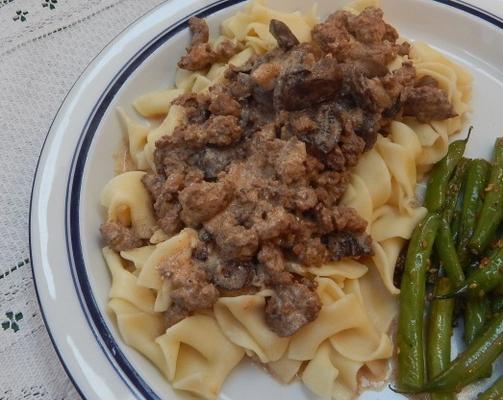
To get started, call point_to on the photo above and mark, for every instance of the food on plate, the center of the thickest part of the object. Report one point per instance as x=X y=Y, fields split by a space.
x=438 y=349
x=484 y=274
x=491 y=214
x=266 y=212
x=411 y=366
x=439 y=177
x=476 y=179
x=470 y=364
x=494 y=392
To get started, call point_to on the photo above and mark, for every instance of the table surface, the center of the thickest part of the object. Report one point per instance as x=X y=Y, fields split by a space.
x=44 y=47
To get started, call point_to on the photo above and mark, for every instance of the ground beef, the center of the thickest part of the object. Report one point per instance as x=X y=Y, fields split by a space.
x=271 y=259
x=234 y=241
x=200 y=55
x=226 y=49
x=212 y=160
x=199 y=30
x=369 y=27
x=428 y=103
x=218 y=130
x=195 y=105
x=265 y=75
x=175 y=313
x=290 y=308
x=202 y=201
x=195 y=297
x=283 y=35
x=290 y=164
x=119 y=237
x=347 y=244
x=190 y=285
x=302 y=86
x=365 y=36
x=263 y=159
x=232 y=275
x=224 y=104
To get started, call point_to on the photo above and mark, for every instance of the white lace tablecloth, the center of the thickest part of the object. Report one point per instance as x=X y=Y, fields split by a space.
x=44 y=47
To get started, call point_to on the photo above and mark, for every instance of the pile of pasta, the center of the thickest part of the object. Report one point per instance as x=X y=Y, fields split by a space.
x=349 y=345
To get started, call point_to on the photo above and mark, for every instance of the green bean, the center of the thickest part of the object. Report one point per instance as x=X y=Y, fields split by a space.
x=475 y=183
x=440 y=175
x=499 y=289
x=446 y=251
x=492 y=210
x=484 y=279
x=470 y=364
x=457 y=208
x=477 y=312
x=411 y=374
x=497 y=304
x=438 y=348
x=454 y=193
x=495 y=392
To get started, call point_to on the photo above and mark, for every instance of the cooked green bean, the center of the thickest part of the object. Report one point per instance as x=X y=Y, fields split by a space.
x=446 y=251
x=477 y=312
x=497 y=304
x=492 y=210
x=475 y=183
x=454 y=193
x=499 y=289
x=457 y=209
x=440 y=175
x=485 y=278
x=495 y=392
x=470 y=364
x=438 y=349
x=411 y=374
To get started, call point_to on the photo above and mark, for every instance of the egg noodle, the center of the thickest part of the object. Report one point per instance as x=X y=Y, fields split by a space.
x=349 y=343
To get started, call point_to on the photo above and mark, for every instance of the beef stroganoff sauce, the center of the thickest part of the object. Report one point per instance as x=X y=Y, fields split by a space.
x=265 y=214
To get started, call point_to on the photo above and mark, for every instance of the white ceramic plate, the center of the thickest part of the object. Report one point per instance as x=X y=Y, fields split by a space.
x=76 y=162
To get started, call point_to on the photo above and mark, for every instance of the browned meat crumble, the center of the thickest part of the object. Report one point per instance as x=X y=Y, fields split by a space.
x=264 y=158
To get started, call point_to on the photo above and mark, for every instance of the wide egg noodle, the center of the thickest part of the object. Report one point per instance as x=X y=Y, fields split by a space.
x=124 y=284
x=357 y=6
x=157 y=102
x=285 y=369
x=357 y=196
x=380 y=304
x=150 y=276
x=241 y=318
x=457 y=82
x=400 y=151
x=198 y=355
x=139 y=330
x=138 y=256
x=252 y=26
x=136 y=135
x=363 y=343
x=320 y=373
x=374 y=173
x=340 y=270
x=385 y=257
x=335 y=316
x=390 y=222
x=175 y=117
x=129 y=203
x=330 y=375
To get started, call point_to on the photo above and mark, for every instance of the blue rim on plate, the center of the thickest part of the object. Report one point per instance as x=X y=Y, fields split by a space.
x=72 y=224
